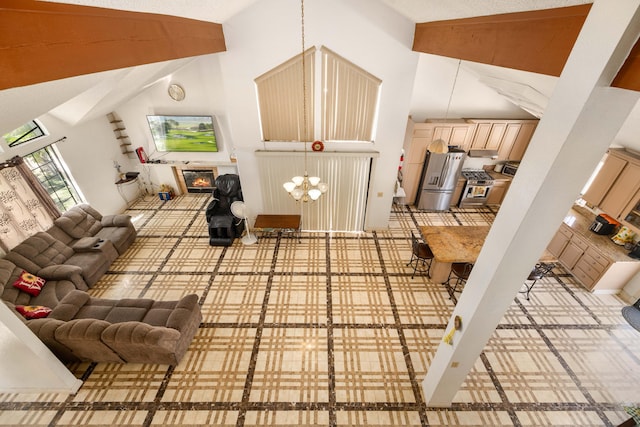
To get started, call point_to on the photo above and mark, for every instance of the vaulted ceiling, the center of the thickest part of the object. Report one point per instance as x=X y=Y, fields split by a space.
x=153 y=39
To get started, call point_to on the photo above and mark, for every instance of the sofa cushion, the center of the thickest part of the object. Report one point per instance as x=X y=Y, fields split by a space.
x=29 y=283
x=77 y=223
x=59 y=284
x=39 y=250
x=33 y=311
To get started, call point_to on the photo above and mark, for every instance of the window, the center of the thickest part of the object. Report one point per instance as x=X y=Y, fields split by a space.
x=25 y=133
x=280 y=100
x=349 y=100
x=50 y=170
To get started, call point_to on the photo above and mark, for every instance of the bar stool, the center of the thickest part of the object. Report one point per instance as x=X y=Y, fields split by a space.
x=460 y=272
x=420 y=255
x=539 y=271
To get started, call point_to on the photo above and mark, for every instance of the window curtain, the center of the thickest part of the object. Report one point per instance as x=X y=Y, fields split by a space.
x=341 y=208
x=25 y=206
x=349 y=100
x=280 y=100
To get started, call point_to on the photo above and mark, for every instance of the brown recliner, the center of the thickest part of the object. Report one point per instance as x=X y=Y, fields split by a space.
x=135 y=330
x=82 y=221
x=41 y=251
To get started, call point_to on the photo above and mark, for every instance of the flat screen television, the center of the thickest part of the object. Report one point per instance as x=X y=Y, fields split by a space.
x=183 y=133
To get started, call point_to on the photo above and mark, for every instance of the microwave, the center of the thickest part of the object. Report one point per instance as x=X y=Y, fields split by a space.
x=510 y=168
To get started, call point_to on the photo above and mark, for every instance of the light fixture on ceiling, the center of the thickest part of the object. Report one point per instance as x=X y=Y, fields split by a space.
x=305 y=188
x=440 y=146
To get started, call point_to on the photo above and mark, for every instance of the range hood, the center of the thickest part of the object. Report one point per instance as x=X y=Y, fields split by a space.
x=484 y=153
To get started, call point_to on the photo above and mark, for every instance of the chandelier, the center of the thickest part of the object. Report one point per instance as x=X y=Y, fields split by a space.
x=305 y=188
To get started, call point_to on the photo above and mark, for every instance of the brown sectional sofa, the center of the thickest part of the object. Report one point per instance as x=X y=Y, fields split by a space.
x=72 y=256
x=83 y=221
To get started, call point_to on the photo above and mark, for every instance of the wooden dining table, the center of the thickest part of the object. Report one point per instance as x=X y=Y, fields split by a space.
x=451 y=244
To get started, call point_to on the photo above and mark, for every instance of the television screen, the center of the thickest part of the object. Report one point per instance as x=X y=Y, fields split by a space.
x=183 y=133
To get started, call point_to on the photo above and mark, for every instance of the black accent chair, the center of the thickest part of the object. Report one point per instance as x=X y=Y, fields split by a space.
x=223 y=226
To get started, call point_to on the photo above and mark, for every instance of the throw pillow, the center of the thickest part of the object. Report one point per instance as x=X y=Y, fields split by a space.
x=33 y=311
x=29 y=283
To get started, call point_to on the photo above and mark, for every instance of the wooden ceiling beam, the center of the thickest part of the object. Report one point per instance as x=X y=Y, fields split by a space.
x=538 y=41
x=628 y=76
x=43 y=41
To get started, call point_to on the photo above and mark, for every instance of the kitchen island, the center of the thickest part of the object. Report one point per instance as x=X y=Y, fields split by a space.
x=451 y=244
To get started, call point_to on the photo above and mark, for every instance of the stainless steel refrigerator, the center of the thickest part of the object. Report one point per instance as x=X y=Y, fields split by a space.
x=439 y=179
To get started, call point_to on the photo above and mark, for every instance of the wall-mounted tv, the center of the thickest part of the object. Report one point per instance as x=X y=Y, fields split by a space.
x=183 y=133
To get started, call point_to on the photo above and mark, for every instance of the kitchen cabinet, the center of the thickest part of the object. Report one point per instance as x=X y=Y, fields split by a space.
x=488 y=135
x=607 y=175
x=632 y=216
x=559 y=241
x=594 y=260
x=510 y=137
x=622 y=191
x=616 y=188
x=498 y=191
x=418 y=136
x=515 y=143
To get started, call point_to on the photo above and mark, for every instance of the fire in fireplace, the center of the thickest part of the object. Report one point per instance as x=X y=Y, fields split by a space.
x=198 y=181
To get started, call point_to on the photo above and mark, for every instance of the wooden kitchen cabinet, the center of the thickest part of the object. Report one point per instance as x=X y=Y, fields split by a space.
x=622 y=192
x=559 y=241
x=510 y=137
x=585 y=256
x=611 y=169
x=520 y=143
x=572 y=252
x=488 y=135
x=418 y=137
x=498 y=191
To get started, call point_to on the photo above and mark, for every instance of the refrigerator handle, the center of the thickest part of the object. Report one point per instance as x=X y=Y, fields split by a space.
x=445 y=172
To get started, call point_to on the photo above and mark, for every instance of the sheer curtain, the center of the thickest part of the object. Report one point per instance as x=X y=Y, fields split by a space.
x=25 y=206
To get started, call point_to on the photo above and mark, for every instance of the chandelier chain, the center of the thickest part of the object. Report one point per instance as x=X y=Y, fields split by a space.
x=304 y=88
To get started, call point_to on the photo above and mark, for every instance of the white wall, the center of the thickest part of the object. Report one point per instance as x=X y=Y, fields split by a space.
x=202 y=81
x=434 y=83
x=368 y=34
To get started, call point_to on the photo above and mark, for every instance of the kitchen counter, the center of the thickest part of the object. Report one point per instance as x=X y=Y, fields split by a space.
x=579 y=219
x=497 y=176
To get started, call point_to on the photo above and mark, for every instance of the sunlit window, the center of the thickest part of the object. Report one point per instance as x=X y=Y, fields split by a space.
x=51 y=171
x=25 y=133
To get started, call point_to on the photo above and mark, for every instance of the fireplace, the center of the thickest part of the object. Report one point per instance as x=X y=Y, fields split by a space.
x=194 y=179
x=198 y=181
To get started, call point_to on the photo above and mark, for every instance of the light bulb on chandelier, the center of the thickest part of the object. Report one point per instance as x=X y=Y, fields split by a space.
x=305 y=188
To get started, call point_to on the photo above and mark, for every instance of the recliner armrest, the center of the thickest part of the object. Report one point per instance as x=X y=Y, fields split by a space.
x=73 y=273
x=140 y=333
x=70 y=305
x=119 y=220
x=184 y=310
x=85 y=244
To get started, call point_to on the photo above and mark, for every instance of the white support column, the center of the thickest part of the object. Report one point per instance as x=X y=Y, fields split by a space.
x=582 y=119
x=27 y=364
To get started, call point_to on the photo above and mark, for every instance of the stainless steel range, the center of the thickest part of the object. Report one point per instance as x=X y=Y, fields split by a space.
x=477 y=189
